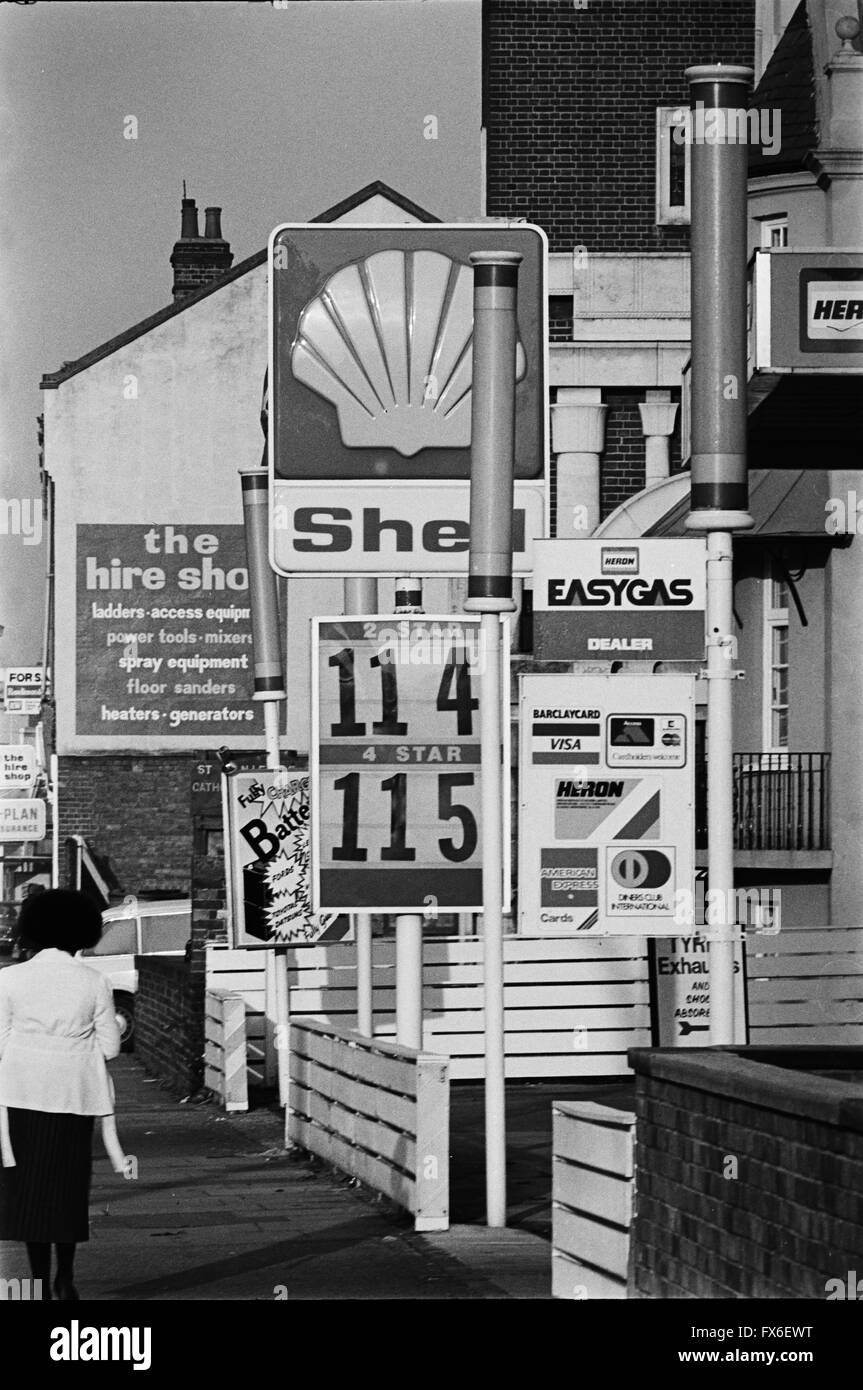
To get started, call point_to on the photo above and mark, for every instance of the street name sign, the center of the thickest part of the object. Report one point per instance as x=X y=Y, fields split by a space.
x=395 y=764
x=606 y=804
x=370 y=376
x=638 y=600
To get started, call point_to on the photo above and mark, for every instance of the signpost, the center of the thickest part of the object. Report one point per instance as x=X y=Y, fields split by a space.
x=21 y=819
x=639 y=600
x=719 y=491
x=371 y=385
x=680 y=979
x=23 y=687
x=395 y=764
x=606 y=801
x=17 y=767
x=807 y=311
x=268 y=838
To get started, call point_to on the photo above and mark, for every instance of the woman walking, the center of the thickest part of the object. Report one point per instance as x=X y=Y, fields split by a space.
x=57 y=1029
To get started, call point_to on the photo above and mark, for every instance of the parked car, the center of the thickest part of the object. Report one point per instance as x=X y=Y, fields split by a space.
x=137 y=928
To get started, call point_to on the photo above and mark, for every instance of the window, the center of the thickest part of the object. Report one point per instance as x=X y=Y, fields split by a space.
x=775 y=659
x=672 y=166
x=774 y=233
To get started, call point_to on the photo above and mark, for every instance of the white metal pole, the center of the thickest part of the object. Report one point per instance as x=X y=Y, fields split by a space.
x=361 y=596
x=55 y=818
x=365 y=993
x=409 y=980
x=492 y=919
x=721 y=918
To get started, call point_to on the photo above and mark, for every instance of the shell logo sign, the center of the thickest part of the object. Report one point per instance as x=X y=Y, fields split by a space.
x=388 y=342
x=370 y=388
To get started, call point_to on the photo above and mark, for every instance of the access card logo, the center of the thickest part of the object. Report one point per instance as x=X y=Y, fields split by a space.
x=831 y=311
x=372 y=349
x=569 y=878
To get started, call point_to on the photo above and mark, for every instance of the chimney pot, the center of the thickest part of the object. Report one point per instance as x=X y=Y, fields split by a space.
x=213 y=223
x=189 y=219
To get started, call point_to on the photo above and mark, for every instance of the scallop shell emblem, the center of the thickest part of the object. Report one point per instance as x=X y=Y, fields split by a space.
x=389 y=342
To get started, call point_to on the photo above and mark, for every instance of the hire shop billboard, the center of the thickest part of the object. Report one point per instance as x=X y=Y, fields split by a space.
x=637 y=600
x=606 y=803
x=164 y=639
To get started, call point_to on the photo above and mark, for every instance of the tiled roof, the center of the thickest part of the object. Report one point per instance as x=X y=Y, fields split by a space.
x=788 y=87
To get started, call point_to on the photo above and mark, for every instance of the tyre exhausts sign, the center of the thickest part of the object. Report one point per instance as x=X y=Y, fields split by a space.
x=606 y=804
x=641 y=600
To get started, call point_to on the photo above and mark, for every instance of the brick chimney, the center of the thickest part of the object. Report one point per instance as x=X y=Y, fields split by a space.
x=198 y=260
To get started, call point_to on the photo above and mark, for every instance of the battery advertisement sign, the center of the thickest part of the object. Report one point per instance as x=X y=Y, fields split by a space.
x=268 y=837
x=606 y=803
x=605 y=600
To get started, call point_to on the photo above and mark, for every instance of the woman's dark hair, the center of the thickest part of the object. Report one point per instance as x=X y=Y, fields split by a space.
x=59 y=917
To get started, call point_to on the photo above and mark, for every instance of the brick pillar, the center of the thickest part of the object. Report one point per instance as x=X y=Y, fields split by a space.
x=658 y=413
x=578 y=438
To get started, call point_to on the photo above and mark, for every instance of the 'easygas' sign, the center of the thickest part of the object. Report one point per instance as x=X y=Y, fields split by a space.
x=644 y=600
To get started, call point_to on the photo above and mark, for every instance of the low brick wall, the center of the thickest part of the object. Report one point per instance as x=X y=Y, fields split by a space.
x=749 y=1173
x=169 y=1022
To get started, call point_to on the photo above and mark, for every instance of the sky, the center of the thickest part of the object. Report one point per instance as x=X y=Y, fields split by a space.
x=271 y=114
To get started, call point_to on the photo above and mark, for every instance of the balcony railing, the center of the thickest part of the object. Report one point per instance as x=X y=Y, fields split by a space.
x=781 y=801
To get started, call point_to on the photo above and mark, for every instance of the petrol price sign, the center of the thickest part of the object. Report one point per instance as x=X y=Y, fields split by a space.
x=396 y=764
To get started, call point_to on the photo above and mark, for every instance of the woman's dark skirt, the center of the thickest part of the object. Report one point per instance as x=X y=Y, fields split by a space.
x=46 y=1196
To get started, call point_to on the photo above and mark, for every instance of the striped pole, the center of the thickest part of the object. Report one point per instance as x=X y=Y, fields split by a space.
x=270 y=690
x=492 y=461
x=719 y=495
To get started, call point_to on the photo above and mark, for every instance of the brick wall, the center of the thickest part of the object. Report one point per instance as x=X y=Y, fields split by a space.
x=788 y=1217
x=622 y=467
x=570 y=98
x=134 y=814
x=169 y=1014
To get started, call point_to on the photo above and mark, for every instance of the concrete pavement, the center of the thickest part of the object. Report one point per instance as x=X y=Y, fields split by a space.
x=220 y=1211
